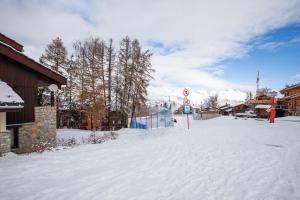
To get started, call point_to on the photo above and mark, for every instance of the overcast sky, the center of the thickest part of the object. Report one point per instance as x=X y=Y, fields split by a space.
x=211 y=46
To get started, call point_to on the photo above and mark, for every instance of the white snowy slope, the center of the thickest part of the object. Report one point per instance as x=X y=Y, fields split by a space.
x=221 y=158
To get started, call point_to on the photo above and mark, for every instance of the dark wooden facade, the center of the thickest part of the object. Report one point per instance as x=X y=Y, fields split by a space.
x=24 y=76
x=241 y=108
x=262 y=113
x=24 y=83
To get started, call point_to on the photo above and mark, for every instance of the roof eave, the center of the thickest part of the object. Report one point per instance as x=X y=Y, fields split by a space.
x=32 y=64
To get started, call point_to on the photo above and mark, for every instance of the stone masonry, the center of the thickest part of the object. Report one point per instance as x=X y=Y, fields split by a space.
x=40 y=134
x=4 y=142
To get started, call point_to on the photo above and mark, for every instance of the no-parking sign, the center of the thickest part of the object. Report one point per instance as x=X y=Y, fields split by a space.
x=186 y=92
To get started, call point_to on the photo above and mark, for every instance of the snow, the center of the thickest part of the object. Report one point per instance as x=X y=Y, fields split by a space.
x=7 y=95
x=263 y=106
x=228 y=110
x=221 y=158
x=80 y=136
x=224 y=107
x=245 y=114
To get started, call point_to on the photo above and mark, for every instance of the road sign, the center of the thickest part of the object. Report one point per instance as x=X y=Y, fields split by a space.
x=187 y=109
x=186 y=101
x=186 y=92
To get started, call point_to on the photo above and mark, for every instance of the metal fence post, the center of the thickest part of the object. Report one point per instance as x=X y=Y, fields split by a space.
x=157 y=119
x=151 y=120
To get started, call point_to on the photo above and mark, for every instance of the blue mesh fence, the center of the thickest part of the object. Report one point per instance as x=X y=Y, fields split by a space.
x=161 y=119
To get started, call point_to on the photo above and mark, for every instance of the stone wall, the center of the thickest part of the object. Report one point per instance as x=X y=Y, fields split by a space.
x=4 y=142
x=41 y=133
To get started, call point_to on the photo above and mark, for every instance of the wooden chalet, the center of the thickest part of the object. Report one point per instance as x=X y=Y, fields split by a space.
x=228 y=109
x=262 y=110
x=24 y=75
x=261 y=104
x=290 y=102
x=239 y=108
x=225 y=109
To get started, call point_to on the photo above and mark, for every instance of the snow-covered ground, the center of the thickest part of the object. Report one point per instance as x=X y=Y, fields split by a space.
x=221 y=158
x=80 y=136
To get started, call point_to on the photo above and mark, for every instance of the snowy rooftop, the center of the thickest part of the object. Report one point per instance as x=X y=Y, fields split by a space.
x=228 y=110
x=224 y=107
x=8 y=97
x=263 y=106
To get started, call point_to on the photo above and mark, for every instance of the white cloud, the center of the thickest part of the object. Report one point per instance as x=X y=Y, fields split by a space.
x=271 y=45
x=296 y=77
x=195 y=35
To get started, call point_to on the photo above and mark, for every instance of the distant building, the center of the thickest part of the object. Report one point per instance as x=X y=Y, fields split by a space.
x=261 y=103
x=229 y=109
x=290 y=102
x=262 y=110
x=225 y=109
x=240 y=108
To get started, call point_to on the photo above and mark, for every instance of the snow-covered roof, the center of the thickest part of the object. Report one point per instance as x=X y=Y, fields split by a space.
x=234 y=104
x=263 y=106
x=8 y=97
x=228 y=110
x=290 y=87
x=224 y=107
x=292 y=96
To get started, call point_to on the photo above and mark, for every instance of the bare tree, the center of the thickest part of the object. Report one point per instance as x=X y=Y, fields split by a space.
x=212 y=101
x=101 y=80
x=139 y=77
x=110 y=57
x=55 y=56
x=124 y=61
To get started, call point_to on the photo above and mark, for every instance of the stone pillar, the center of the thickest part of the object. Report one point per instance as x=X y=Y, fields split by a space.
x=45 y=121
x=4 y=142
x=2 y=122
x=41 y=133
x=4 y=135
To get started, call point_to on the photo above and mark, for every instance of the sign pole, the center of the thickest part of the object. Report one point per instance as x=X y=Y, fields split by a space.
x=186 y=103
x=188 y=121
x=147 y=123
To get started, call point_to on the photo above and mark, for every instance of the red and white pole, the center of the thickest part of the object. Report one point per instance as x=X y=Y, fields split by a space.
x=273 y=111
